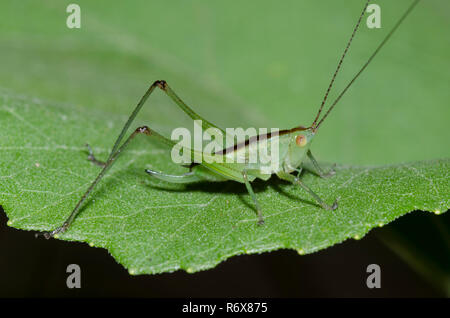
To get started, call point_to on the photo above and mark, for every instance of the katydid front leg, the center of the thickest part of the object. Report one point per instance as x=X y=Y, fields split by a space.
x=252 y=194
x=289 y=177
x=320 y=172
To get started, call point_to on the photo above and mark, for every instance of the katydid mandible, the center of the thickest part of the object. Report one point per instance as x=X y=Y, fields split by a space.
x=294 y=145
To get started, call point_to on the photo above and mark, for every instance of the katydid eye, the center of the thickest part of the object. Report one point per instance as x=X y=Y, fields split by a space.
x=300 y=140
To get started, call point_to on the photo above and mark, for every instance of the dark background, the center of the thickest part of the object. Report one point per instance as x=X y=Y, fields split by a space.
x=33 y=267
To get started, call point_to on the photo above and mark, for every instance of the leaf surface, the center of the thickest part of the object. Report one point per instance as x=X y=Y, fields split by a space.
x=236 y=66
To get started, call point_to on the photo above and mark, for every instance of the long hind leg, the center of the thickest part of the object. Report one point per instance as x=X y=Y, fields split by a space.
x=171 y=93
x=141 y=130
x=165 y=88
x=118 y=147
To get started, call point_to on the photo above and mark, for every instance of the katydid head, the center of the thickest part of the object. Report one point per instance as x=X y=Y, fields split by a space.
x=300 y=139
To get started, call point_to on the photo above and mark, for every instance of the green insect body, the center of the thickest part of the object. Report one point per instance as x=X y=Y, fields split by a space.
x=292 y=147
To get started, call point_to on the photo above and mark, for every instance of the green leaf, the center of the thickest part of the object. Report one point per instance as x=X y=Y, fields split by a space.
x=236 y=66
x=151 y=227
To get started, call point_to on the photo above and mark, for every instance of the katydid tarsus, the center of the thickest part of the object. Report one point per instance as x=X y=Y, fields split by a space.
x=294 y=144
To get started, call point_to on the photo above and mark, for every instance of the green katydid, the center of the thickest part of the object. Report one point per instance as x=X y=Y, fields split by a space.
x=294 y=145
